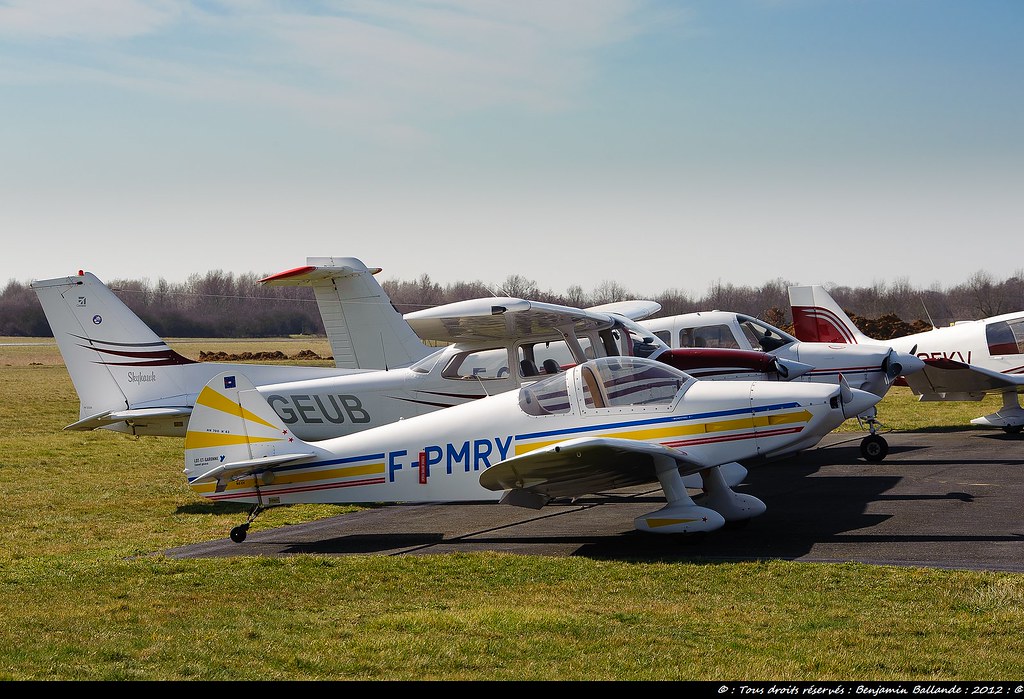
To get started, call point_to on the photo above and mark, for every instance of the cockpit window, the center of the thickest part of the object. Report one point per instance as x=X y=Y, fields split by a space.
x=1005 y=337
x=763 y=337
x=425 y=365
x=616 y=382
x=708 y=336
x=642 y=342
x=480 y=364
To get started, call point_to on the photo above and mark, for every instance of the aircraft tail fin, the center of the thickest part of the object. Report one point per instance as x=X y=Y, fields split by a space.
x=818 y=318
x=115 y=360
x=363 y=327
x=234 y=434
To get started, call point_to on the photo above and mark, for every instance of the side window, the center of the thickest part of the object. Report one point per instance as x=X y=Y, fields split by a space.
x=1005 y=337
x=543 y=358
x=480 y=364
x=714 y=336
x=761 y=336
x=665 y=336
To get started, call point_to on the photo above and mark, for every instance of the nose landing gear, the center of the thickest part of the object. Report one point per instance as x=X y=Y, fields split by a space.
x=873 y=447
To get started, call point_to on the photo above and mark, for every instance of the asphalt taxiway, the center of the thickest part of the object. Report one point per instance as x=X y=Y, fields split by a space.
x=943 y=499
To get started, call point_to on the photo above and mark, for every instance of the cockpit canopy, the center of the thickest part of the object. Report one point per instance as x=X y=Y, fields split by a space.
x=606 y=382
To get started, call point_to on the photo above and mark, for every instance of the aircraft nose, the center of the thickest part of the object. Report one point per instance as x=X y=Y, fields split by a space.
x=858 y=402
x=907 y=363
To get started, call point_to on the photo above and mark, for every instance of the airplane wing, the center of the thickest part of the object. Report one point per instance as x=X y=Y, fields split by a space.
x=578 y=467
x=634 y=310
x=501 y=318
x=148 y=415
x=942 y=378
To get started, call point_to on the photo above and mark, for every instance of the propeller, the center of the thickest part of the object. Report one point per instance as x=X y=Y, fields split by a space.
x=891 y=366
x=845 y=392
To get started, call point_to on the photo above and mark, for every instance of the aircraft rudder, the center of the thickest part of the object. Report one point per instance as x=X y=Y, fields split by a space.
x=232 y=422
x=112 y=356
x=818 y=318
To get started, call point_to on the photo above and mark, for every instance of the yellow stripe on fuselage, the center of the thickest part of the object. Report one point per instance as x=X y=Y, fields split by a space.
x=291 y=478
x=204 y=440
x=674 y=431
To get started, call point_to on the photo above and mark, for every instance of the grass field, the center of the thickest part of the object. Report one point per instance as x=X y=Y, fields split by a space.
x=86 y=595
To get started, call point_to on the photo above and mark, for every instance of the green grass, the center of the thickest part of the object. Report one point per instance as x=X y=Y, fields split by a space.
x=86 y=595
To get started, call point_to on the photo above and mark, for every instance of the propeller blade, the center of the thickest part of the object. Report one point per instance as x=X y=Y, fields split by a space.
x=891 y=367
x=845 y=393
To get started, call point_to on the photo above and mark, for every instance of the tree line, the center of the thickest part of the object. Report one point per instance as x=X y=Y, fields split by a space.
x=221 y=304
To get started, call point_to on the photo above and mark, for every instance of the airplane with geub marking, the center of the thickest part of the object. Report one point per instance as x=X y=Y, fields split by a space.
x=129 y=380
x=962 y=362
x=601 y=424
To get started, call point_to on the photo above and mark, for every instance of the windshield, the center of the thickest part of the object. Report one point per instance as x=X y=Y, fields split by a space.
x=424 y=365
x=763 y=336
x=644 y=342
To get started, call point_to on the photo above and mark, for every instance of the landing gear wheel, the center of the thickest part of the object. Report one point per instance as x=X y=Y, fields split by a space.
x=238 y=533
x=874 y=447
x=1013 y=429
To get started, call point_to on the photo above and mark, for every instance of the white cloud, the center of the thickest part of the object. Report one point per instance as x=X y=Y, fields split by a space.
x=388 y=61
x=91 y=19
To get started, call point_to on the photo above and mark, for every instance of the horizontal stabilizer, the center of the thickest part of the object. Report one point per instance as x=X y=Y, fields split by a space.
x=113 y=416
x=248 y=467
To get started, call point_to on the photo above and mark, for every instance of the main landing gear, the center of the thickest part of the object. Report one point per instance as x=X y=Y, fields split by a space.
x=873 y=447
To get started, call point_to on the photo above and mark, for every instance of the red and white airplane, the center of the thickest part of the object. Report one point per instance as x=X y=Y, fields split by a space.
x=962 y=362
x=603 y=424
x=869 y=367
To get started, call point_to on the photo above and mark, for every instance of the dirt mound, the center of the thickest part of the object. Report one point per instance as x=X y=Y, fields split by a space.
x=305 y=355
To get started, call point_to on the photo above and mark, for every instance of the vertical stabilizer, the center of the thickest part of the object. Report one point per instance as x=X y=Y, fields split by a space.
x=363 y=327
x=818 y=318
x=115 y=360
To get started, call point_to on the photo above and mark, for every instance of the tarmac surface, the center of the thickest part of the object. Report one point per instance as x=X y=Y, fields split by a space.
x=943 y=499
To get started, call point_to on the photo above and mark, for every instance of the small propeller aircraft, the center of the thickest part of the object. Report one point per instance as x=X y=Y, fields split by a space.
x=873 y=366
x=129 y=380
x=602 y=424
x=962 y=362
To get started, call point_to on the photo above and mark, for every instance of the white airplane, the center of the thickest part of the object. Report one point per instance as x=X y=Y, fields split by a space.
x=872 y=367
x=962 y=362
x=475 y=320
x=129 y=380
x=603 y=424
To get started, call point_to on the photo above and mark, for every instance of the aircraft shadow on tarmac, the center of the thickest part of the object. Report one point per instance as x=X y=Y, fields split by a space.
x=802 y=511
x=820 y=497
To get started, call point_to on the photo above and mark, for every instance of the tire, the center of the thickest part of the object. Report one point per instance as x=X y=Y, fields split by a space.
x=874 y=448
x=1013 y=429
x=238 y=534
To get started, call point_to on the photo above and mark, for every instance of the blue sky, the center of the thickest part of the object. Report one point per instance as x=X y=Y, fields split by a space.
x=657 y=144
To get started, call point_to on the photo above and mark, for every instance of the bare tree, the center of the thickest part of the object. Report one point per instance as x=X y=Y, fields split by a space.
x=518 y=286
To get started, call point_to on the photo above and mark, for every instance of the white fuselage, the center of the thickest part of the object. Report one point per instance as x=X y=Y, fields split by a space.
x=440 y=456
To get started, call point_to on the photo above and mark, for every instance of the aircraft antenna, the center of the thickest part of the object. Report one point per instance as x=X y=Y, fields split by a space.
x=482 y=384
x=926 y=313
